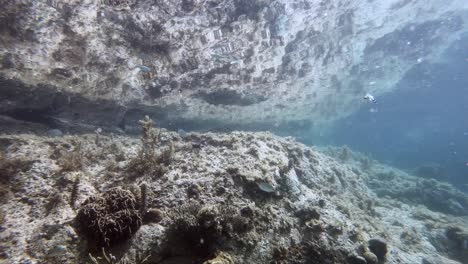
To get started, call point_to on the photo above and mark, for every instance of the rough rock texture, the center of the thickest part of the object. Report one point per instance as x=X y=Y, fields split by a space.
x=209 y=63
x=259 y=199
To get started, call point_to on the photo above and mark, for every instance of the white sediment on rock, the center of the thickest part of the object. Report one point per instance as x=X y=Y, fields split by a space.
x=317 y=196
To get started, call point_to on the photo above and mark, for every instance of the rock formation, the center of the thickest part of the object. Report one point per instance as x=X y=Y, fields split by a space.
x=211 y=63
x=259 y=199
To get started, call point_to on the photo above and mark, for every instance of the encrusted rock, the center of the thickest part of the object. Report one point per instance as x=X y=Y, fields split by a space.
x=153 y=215
x=194 y=190
x=357 y=260
x=370 y=257
x=321 y=203
x=378 y=246
x=247 y=211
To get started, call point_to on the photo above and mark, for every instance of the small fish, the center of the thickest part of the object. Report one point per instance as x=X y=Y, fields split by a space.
x=373 y=110
x=266 y=187
x=371 y=99
x=57 y=250
x=143 y=68
x=182 y=133
x=54 y=133
x=372 y=83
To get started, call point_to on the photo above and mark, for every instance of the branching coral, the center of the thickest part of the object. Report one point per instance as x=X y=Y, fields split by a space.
x=149 y=161
x=110 y=217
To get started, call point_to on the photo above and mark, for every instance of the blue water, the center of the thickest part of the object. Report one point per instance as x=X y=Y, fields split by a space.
x=423 y=121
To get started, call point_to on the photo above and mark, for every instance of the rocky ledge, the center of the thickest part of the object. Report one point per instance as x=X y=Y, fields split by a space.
x=217 y=198
x=206 y=63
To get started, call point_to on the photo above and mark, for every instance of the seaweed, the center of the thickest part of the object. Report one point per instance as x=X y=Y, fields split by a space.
x=10 y=167
x=71 y=160
x=53 y=201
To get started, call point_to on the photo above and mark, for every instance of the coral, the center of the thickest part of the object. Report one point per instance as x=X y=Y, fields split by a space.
x=97 y=139
x=108 y=258
x=317 y=253
x=221 y=258
x=344 y=153
x=307 y=212
x=119 y=3
x=315 y=225
x=436 y=196
x=307 y=252
x=149 y=161
x=110 y=217
x=71 y=160
x=432 y=170
x=366 y=163
x=250 y=230
x=294 y=254
x=202 y=230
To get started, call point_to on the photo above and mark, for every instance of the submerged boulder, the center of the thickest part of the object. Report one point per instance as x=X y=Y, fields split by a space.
x=378 y=246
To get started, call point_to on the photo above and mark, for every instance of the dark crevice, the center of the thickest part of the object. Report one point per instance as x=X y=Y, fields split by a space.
x=229 y=97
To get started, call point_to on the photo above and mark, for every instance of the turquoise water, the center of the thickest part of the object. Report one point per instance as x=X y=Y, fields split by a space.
x=423 y=122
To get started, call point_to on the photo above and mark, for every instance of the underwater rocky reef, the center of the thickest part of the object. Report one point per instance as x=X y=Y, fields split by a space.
x=238 y=197
x=92 y=169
